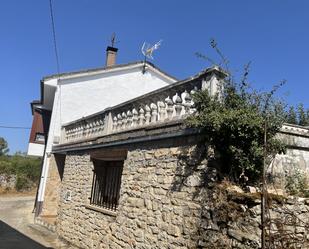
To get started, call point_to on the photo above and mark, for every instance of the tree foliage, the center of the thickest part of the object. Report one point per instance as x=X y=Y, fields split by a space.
x=298 y=115
x=3 y=146
x=26 y=169
x=233 y=123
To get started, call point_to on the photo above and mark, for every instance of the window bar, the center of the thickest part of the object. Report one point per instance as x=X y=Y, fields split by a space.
x=101 y=190
x=104 y=194
x=110 y=182
x=109 y=186
x=99 y=182
x=118 y=186
x=92 y=188
x=98 y=186
x=105 y=186
x=104 y=182
x=114 y=187
x=119 y=172
x=95 y=187
x=119 y=183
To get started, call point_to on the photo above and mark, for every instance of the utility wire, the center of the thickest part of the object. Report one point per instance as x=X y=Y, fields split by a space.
x=54 y=34
x=15 y=127
x=56 y=51
x=57 y=62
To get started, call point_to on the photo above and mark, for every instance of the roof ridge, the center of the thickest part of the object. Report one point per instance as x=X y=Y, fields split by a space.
x=93 y=70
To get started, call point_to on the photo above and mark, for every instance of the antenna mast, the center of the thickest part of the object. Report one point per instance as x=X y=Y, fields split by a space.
x=147 y=51
x=113 y=39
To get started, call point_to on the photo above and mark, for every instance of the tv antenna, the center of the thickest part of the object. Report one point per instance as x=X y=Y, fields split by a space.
x=147 y=51
x=113 y=40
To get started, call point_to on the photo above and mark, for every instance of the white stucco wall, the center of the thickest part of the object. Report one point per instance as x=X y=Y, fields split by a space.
x=83 y=96
x=76 y=97
x=35 y=149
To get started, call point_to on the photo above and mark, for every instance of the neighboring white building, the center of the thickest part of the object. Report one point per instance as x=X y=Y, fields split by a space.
x=70 y=96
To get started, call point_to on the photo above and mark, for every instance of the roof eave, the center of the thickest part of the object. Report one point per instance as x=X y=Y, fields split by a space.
x=100 y=70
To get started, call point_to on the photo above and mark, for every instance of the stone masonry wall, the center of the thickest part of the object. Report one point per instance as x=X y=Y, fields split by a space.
x=53 y=184
x=150 y=215
x=294 y=164
x=7 y=181
x=169 y=199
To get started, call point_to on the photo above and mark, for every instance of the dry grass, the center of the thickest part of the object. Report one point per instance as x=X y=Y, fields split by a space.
x=13 y=192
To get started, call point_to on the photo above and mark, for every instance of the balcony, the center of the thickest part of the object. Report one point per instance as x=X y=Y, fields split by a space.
x=162 y=106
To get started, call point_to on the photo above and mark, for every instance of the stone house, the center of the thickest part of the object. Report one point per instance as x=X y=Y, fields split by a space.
x=132 y=175
x=70 y=96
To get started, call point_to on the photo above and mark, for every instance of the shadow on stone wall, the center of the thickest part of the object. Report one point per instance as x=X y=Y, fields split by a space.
x=221 y=214
x=225 y=216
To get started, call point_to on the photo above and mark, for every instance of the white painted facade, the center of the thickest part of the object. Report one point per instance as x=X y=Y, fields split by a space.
x=35 y=149
x=76 y=95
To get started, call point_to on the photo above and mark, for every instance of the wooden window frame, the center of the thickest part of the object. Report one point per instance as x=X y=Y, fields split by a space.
x=37 y=140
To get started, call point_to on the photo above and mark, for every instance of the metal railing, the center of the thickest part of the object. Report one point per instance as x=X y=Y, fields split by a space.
x=106 y=184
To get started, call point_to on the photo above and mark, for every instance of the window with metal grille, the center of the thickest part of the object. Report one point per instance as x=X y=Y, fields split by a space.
x=106 y=184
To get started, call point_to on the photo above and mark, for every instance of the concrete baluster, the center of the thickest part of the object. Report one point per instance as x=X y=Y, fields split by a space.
x=67 y=134
x=162 y=111
x=71 y=133
x=83 y=128
x=147 y=115
x=115 y=123
x=178 y=105
x=141 y=117
x=187 y=101
x=192 y=92
x=129 y=115
x=80 y=130
x=169 y=109
x=154 y=112
x=97 y=125
x=135 y=117
x=101 y=123
x=90 y=128
x=74 y=133
x=124 y=120
x=119 y=126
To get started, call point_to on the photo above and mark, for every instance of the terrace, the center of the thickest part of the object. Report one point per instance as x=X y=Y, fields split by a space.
x=170 y=104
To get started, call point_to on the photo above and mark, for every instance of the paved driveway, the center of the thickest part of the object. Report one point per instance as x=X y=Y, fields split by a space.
x=15 y=232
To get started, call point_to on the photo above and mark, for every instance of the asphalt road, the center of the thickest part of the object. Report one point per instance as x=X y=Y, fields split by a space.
x=17 y=228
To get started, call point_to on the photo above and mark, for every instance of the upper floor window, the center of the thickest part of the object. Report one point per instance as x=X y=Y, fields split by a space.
x=39 y=137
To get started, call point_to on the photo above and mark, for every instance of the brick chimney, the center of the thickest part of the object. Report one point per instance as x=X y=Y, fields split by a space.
x=111 y=54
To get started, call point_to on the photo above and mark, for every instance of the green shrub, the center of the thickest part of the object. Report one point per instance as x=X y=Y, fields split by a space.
x=233 y=123
x=297 y=183
x=23 y=183
x=27 y=170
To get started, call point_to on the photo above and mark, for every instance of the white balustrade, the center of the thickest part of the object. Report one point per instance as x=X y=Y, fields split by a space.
x=91 y=127
x=173 y=102
x=159 y=108
x=172 y=107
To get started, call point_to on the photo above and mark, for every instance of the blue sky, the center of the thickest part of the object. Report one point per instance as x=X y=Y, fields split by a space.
x=273 y=34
